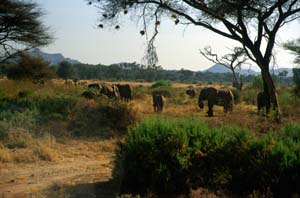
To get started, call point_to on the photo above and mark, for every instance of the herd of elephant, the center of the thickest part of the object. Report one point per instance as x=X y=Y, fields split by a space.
x=222 y=97
x=124 y=92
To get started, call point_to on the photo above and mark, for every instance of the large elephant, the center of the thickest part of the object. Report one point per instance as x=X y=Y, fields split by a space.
x=158 y=102
x=262 y=102
x=125 y=92
x=222 y=97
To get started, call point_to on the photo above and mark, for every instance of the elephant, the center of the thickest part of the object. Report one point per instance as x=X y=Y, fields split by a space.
x=111 y=91
x=191 y=92
x=262 y=102
x=216 y=97
x=125 y=92
x=158 y=103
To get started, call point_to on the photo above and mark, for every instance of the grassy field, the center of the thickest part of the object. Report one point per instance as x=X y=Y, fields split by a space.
x=52 y=127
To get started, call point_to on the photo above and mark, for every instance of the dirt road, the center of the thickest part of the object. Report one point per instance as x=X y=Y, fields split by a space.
x=83 y=170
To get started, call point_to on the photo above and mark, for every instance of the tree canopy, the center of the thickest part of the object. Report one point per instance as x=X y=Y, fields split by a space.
x=294 y=47
x=21 y=28
x=65 y=70
x=30 y=68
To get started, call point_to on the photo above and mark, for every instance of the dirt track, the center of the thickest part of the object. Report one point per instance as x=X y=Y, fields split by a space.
x=86 y=175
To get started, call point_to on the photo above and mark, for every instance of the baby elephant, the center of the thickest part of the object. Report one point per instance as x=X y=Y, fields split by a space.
x=158 y=103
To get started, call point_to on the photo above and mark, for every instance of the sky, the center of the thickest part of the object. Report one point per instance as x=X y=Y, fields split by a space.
x=74 y=26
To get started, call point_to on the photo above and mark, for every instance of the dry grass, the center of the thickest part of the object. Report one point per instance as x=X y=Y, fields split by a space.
x=18 y=138
x=4 y=154
x=45 y=153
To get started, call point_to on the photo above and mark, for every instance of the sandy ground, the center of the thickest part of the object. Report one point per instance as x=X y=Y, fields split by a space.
x=79 y=172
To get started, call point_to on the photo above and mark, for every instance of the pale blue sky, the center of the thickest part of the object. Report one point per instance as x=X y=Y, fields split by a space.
x=74 y=25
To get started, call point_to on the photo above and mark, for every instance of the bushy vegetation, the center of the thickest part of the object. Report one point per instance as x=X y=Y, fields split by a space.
x=161 y=83
x=172 y=156
x=32 y=68
x=28 y=107
x=101 y=118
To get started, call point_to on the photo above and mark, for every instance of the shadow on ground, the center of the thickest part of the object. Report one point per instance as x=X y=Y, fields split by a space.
x=105 y=189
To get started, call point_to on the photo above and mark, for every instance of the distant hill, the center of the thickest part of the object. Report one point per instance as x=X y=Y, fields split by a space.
x=218 y=68
x=53 y=59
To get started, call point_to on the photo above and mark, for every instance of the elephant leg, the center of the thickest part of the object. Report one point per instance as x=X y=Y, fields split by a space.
x=210 y=108
x=210 y=111
x=161 y=108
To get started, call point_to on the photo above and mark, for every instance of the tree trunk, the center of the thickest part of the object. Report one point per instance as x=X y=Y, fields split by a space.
x=236 y=80
x=272 y=98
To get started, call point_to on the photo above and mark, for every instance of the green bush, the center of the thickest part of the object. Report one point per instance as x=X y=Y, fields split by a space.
x=171 y=156
x=236 y=95
x=56 y=108
x=4 y=127
x=257 y=83
x=23 y=119
x=155 y=157
x=249 y=96
x=161 y=83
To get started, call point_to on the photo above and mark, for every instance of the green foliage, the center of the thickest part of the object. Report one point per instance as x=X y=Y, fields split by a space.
x=171 y=156
x=3 y=130
x=65 y=70
x=257 y=83
x=294 y=47
x=249 y=96
x=27 y=111
x=21 y=28
x=29 y=67
x=161 y=83
x=236 y=95
x=57 y=107
x=155 y=157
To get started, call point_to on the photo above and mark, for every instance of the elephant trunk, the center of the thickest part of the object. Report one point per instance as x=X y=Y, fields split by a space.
x=201 y=104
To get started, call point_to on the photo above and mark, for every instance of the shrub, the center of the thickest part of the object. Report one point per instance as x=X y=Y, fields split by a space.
x=249 y=96
x=102 y=118
x=257 y=83
x=23 y=119
x=236 y=95
x=161 y=83
x=171 y=156
x=4 y=127
x=155 y=157
x=18 y=138
x=29 y=67
x=56 y=107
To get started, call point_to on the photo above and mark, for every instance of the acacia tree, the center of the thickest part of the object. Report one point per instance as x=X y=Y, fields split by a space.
x=21 y=28
x=232 y=61
x=253 y=23
x=294 y=47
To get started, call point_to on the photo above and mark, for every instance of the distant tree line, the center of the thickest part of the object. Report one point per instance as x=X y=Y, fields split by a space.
x=137 y=72
x=36 y=69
